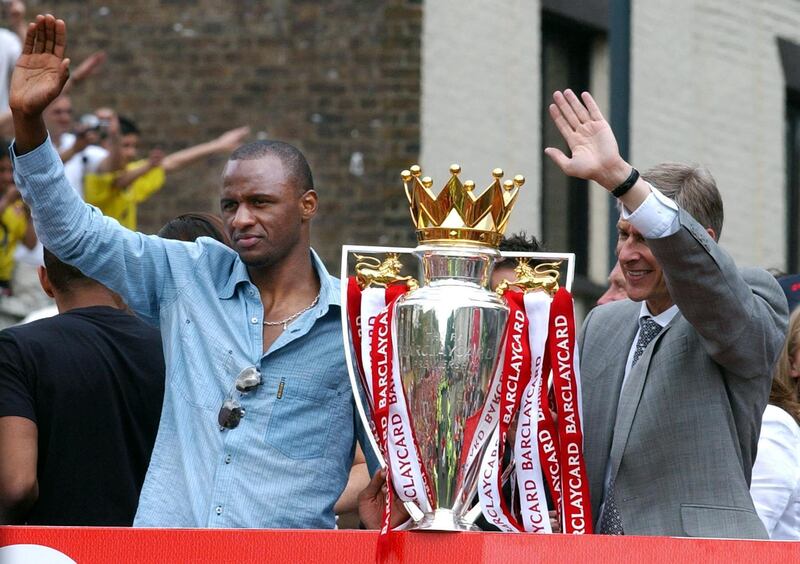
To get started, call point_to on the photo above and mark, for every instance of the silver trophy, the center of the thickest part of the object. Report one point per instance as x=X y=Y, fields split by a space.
x=449 y=331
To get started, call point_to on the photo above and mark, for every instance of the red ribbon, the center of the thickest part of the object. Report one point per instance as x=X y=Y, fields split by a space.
x=354 y=318
x=516 y=375
x=574 y=483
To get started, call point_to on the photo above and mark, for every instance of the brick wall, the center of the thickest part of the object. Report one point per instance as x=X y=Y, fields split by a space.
x=337 y=78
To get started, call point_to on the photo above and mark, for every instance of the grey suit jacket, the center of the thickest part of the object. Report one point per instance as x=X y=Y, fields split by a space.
x=681 y=437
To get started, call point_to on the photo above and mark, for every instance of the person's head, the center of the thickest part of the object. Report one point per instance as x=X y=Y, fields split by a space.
x=129 y=139
x=190 y=226
x=69 y=286
x=616 y=287
x=58 y=116
x=693 y=189
x=786 y=382
x=790 y=284
x=6 y=170
x=267 y=202
x=518 y=242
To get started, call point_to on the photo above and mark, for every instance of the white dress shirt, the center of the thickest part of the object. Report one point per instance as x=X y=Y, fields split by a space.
x=775 y=486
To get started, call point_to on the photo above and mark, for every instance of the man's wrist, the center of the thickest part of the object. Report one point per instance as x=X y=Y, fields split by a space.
x=615 y=175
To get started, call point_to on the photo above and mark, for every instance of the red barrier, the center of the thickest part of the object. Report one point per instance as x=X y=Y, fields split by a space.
x=186 y=546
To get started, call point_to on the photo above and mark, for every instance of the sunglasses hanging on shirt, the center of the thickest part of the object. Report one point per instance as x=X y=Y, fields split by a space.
x=232 y=412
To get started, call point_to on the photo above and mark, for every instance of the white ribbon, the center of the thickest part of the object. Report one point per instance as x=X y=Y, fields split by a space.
x=373 y=300
x=528 y=467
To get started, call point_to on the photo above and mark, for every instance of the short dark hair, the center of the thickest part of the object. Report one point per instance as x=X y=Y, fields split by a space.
x=691 y=187
x=291 y=157
x=519 y=242
x=190 y=226
x=127 y=126
x=63 y=276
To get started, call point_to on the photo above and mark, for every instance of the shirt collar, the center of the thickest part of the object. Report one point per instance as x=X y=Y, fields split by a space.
x=662 y=318
x=328 y=293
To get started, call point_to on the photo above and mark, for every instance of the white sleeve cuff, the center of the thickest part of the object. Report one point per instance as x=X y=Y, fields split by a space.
x=656 y=217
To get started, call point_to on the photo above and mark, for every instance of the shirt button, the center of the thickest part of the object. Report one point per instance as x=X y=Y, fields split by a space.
x=254 y=320
x=228 y=459
x=218 y=510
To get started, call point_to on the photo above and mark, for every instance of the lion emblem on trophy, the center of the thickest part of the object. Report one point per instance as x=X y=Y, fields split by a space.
x=371 y=271
x=543 y=276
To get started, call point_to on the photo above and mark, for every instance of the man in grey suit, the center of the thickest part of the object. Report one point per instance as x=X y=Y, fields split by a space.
x=676 y=378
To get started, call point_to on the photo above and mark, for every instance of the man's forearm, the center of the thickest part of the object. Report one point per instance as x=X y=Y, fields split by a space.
x=29 y=132
x=128 y=177
x=185 y=157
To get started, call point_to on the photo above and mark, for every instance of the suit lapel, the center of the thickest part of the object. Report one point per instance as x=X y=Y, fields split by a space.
x=601 y=387
x=629 y=399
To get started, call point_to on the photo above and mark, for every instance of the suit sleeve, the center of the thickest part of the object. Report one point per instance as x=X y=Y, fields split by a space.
x=741 y=316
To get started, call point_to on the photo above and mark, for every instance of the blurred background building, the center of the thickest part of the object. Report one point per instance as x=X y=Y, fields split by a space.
x=368 y=87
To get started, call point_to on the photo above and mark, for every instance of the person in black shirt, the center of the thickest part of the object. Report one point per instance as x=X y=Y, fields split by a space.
x=80 y=401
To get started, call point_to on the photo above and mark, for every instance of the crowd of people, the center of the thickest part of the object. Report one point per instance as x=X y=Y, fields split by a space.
x=197 y=378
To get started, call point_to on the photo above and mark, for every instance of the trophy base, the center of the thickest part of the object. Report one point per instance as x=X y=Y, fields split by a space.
x=443 y=520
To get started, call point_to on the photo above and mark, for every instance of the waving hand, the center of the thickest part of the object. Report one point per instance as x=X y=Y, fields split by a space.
x=38 y=79
x=595 y=154
x=41 y=70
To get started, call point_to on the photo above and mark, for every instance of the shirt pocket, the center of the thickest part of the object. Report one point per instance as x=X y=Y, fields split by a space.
x=205 y=371
x=302 y=417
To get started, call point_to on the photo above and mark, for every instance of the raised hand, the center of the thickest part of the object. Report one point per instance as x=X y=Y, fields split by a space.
x=155 y=158
x=41 y=70
x=230 y=140
x=595 y=154
x=89 y=66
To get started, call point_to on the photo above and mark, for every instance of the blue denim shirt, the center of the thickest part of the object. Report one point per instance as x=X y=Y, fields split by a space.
x=288 y=461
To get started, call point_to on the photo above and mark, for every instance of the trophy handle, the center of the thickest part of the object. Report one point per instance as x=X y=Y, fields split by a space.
x=415 y=512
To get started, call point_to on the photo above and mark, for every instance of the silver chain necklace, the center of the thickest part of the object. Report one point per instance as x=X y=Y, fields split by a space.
x=288 y=320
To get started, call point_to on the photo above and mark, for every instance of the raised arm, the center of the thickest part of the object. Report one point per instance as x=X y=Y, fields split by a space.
x=88 y=67
x=128 y=177
x=145 y=270
x=702 y=278
x=225 y=143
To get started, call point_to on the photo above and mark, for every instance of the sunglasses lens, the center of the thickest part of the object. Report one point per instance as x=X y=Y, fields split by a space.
x=248 y=379
x=230 y=414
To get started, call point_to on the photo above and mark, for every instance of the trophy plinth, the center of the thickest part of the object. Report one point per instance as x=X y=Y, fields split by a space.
x=443 y=520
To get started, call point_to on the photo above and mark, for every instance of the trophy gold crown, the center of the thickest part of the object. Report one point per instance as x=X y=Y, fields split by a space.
x=457 y=215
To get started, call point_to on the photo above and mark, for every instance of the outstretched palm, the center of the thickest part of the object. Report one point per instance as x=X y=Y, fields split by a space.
x=589 y=137
x=41 y=70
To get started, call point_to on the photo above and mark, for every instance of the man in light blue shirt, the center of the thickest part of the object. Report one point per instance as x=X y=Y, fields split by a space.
x=258 y=425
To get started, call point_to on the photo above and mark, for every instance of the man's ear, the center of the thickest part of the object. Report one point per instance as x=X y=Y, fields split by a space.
x=711 y=232
x=44 y=281
x=308 y=204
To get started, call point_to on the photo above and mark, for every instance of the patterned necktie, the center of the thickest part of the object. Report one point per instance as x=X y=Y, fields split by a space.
x=610 y=521
x=648 y=330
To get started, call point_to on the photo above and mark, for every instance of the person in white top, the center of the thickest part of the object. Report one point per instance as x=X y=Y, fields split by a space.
x=10 y=45
x=775 y=486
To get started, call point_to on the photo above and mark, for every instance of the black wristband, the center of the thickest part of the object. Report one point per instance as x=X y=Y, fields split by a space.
x=623 y=188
